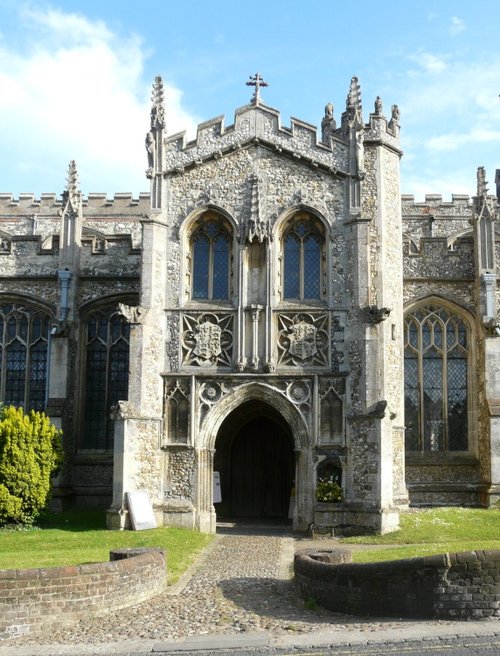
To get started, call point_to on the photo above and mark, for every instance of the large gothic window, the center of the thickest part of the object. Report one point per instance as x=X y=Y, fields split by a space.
x=24 y=335
x=437 y=344
x=211 y=257
x=106 y=374
x=303 y=248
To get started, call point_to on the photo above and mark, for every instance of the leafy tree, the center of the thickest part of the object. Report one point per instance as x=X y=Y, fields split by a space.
x=30 y=453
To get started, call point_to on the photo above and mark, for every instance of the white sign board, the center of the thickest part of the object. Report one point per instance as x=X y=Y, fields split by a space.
x=217 y=490
x=141 y=511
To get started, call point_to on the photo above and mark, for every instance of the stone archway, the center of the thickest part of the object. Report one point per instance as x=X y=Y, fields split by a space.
x=218 y=404
x=255 y=459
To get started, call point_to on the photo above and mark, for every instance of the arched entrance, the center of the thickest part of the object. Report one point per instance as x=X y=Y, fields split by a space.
x=255 y=459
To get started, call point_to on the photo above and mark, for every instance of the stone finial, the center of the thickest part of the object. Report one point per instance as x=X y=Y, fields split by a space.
x=353 y=101
x=257 y=227
x=328 y=124
x=158 y=107
x=482 y=187
x=256 y=81
x=484 y=204
x=378 y=106
x=72 y=185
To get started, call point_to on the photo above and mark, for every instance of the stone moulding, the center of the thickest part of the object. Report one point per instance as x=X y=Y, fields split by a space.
x=36 y=600
x=452 y=586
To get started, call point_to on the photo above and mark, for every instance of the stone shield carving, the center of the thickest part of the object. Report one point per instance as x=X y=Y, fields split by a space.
x=207 y=339
x=303 y=339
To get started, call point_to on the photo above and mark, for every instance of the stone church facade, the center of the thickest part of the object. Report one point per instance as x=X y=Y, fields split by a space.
x=273 y=311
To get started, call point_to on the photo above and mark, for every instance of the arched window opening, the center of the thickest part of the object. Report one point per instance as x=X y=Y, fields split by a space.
x=303 y=248
x=436 y=380
x=106 y=374
x=177 y=413
x=210 y=255
x=24 y=333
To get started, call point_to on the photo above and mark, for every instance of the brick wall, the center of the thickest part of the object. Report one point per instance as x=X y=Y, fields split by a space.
x=32 y=600
x=448 y=586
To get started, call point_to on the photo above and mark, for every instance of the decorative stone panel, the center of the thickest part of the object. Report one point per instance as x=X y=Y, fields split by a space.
x=207 y=339
x=303 y=339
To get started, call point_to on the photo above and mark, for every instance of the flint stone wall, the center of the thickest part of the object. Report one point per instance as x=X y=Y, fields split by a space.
x=44 y=599
x=448 y=586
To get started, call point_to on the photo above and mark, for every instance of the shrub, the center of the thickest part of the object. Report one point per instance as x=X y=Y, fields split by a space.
x=328 y=490
x=30 y=453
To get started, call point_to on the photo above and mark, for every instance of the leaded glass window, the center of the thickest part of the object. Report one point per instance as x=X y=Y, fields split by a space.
x=211 y=253
x=106 y=374
x=303 y=247
x=436 y=380
x=24 y=335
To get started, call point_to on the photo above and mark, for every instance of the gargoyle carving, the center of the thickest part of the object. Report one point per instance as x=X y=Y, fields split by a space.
x=374 y=314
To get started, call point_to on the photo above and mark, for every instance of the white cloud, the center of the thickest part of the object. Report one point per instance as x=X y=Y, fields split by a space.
x=457 y=26
x=453 y=141
x=78 y=93
x=429 y=63
x=459 y=181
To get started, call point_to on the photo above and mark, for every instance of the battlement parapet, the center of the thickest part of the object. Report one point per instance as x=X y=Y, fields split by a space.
x=28 y=204
x=380 y=130
x=436 y=200
x=460 y=206
x=254 y=124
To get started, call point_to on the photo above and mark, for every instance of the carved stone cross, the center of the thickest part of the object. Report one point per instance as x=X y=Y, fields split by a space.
x=256 y=81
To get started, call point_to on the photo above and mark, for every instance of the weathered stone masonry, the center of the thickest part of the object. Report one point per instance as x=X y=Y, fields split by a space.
x=252 y=314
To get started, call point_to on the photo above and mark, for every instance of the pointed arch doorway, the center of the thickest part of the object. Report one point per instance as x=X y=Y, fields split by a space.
x=255 y=459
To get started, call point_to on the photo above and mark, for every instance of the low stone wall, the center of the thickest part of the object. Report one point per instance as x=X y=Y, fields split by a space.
x=33 y=600
x=449 y=586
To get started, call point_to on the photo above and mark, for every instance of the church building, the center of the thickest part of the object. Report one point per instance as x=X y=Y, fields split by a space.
x=273 y=316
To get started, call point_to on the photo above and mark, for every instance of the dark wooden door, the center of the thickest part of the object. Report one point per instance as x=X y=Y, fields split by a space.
x=261 y=470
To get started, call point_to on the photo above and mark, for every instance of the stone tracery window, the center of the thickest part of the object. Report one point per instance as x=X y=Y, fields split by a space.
x=210 y=259
x=106 y=374
x=303 y=254
x=24 y=332
x=437 y=360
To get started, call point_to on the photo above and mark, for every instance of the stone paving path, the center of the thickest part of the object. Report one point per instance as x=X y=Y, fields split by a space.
x=242 y=584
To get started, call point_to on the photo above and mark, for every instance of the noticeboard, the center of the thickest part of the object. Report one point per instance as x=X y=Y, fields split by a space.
x=141 y=511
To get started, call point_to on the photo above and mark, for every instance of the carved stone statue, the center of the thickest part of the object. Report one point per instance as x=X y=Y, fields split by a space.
x=360 y=150
x=394 y=117
x=378 y=105
x=328 y=124
x=150 y=148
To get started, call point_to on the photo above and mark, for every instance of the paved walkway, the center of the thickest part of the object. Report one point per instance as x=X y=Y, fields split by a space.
x=240 y=587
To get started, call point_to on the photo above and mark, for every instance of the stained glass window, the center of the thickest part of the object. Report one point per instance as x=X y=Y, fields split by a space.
x=303 y=243
x=106 y=375
x=211 y=251
x=24 y=333
x=436 y=380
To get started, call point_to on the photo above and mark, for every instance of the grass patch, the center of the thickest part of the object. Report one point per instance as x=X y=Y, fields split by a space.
x=77 y=537
x=432 y=531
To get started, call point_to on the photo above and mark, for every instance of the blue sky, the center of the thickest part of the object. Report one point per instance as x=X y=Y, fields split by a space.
x=75 y=80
